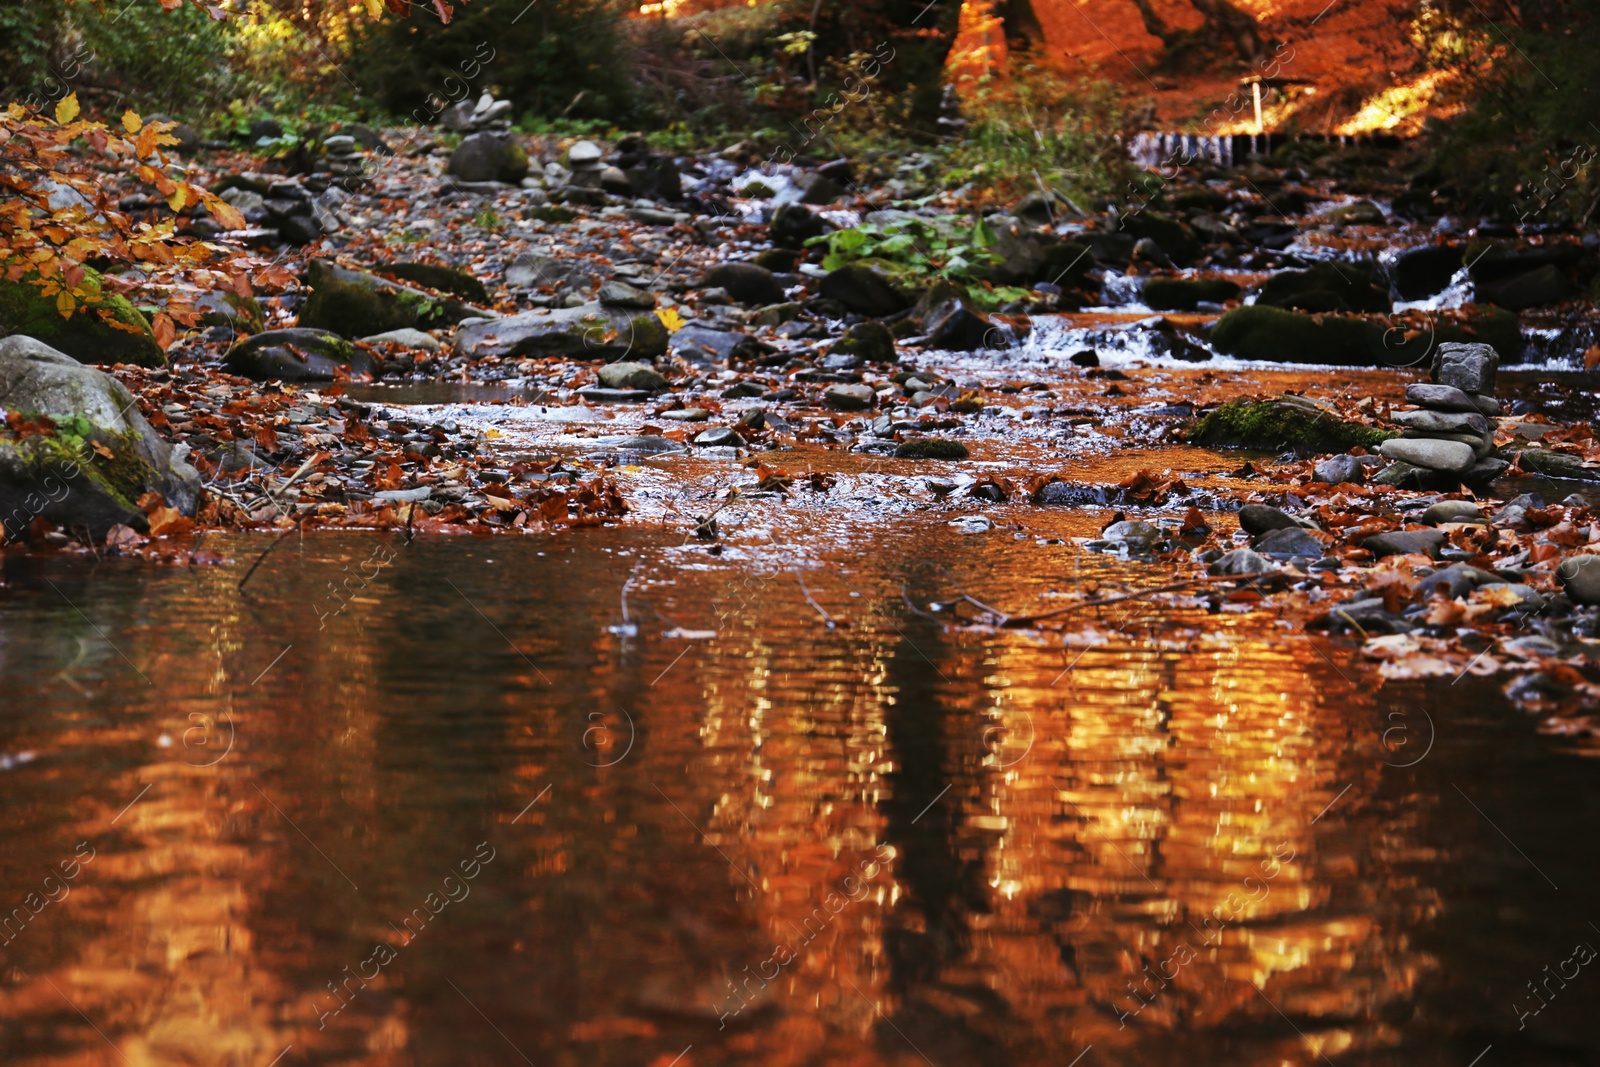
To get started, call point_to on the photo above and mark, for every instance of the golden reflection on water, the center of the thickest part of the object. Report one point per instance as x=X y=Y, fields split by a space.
x=874 y=844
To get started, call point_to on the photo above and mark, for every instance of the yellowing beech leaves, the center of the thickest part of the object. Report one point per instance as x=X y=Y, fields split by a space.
x=47 y=246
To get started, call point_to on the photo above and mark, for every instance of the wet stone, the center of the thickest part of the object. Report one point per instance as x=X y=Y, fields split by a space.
x=718 y=436
x=848 y=397
x=1405 y=542
x=1340 y=469
x=1257 y=519
x=1434 y=455
x=1289 y=543
x=1580 y=578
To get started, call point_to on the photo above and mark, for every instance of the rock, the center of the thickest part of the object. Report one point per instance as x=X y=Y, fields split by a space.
x=295 y=355
x=268 y=129
x=654 y=177
x=1241 y=561
x=85 y=336
x=747 y=283
x=1485 y=470
x=1469 y=367
x=1580 y=578
x=584 y=153
x=1338 y=470
x=601 y=395
x=1186 y=294
x=1028 y=256
x=794 y=224
x=848 y=397
x=246 y=200
x=1404 y=542
x=1537 y=288
x=1554 y=464
x=1273 y=425
x=1257 y=519
x=1441 y=397
x=356 y=304
x=444 y=279
x=1452 y=511
x=1132 y=531
x=620 y=294
x=819 y=189
x=685 y=415
x=1175 y=238
x=1360 y=213
x=931 y=448
x=533 y=270
x=1326 y=287
x=633 y=376
x=299 y=229
x=404 y=496
x=1273 y=334
x=1289 y=543
x=368 y=138
x=589 y=331
x=866 y=289
x=776 y=314
x=1486 y=405
x=1429 y=453
x=870 y=341
x=489 y=157
x=719 y=437
x=1441 y=422
x=409 y=338
x=1458 y=579
x=1421 y=272
x=953 y=324
x=64 y=478
x=223 y=308
x=702 y=345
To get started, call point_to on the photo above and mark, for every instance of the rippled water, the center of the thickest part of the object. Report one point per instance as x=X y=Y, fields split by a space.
x=720 y=830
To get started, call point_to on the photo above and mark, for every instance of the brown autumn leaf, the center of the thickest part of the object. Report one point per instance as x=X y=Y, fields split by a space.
x=168 y=522
x=1591 y=358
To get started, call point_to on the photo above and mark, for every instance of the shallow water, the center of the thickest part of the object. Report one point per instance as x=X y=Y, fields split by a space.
x=716 y=829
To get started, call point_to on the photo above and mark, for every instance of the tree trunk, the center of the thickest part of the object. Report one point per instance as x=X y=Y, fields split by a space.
x=1022 y=28
x=1220 y=15
x=1153 y=24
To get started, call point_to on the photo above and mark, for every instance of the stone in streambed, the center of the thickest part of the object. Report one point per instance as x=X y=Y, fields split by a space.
x=355 y=304
x=848 y=397
x=1450 y=456
x=1241 y=561
x=1338 y=470
x=1325 y=287
x=1580 y=578
x=746 y=283
x=619 y=294
x=1131 y=531
x=719 y=437
x=1276 y=335
x=408 y=338
x=865 y=288
x=1441 y=422
x=931 y=448
x=296 y=355
x=1285 y=422
x=443 y=279
x=1469 y=367
x=1458 y=579
x=1289 y=543
x=1186 y=294
x=1440 y=397
x=869 y=341
x=1452 y=511
x=85 y=335
x=1256 y=519
x=64 y=478
x=489 y=157
x=633 y=376
x=1404 y=542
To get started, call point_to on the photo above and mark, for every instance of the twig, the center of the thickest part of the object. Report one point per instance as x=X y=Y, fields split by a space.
x=1018 y=621
x=268 y=551
x=905 y=594
x=829 y=619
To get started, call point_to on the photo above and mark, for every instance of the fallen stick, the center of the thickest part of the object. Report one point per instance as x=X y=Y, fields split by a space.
x=268 y=551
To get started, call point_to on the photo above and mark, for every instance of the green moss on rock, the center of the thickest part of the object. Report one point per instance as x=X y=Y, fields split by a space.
x=1285 y=423
x=86 y=336
x=1269 y=333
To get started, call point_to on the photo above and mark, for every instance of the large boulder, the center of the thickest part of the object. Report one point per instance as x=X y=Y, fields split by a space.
x=1326 y=287
x=356 y=304
x=866 y=288
x=1269 y=333
x=489 y=157
x=745 y=282
x=1186 y=294
x=590 y=331
x=794 y=224
x=296 y=355
x=102 y=456
x=1027 y=256
x=442 y=279
x=1421 y=272
x=1174 y=238
x=103 y=328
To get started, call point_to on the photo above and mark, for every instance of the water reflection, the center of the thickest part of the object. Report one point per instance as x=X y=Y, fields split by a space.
x=882 y=842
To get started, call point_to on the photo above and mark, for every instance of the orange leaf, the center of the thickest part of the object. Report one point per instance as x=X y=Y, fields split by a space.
x=1591 y=358
x=165 y=332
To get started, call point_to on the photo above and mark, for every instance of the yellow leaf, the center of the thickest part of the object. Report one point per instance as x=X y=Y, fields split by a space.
x=670 y=319
x=67 y=109
x=131 y=121
x=178 y=198
x=65 y=304
x=374 y=8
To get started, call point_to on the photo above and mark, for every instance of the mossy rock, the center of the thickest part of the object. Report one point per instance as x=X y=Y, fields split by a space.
x=221 y=308
x=931 y=448
x=103 y=456
x=1326 y=287
x=441 y=279
x=86 y=335
x=1279 y=336
x=355 y=304
x=1186 y=294
x=1286 y=423
x=1176 y=239
x=295 y=355
x=871 y=341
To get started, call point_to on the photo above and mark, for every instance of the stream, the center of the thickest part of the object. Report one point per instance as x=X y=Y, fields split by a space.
x=610 y=798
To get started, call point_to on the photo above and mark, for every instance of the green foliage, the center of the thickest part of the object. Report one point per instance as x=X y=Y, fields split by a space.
x=554 y=58
x=1523 y=148
x=946 y=247
x=1039 y=129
